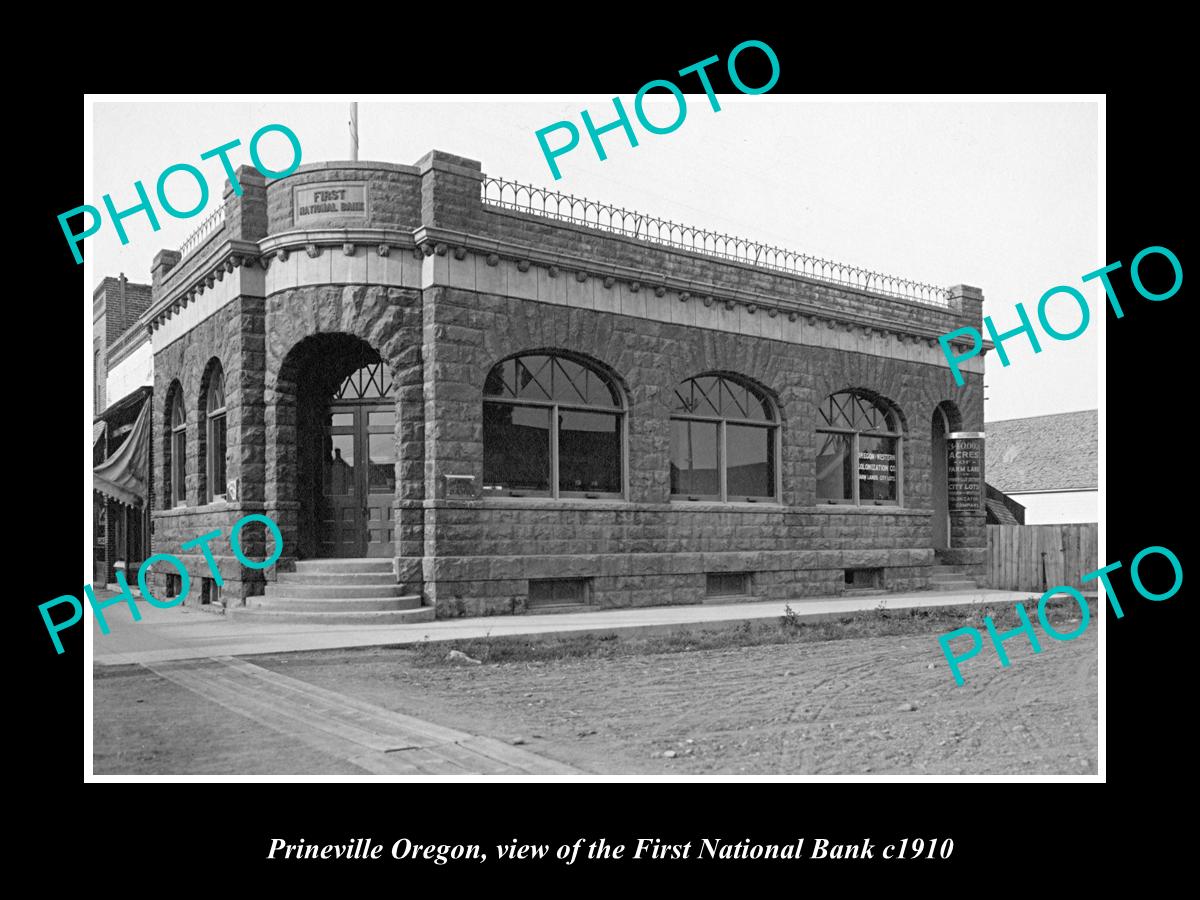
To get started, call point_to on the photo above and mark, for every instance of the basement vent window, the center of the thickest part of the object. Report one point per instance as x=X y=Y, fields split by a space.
x=857 y=579
x=210 y=592
x=558 y=592
x=728 y=584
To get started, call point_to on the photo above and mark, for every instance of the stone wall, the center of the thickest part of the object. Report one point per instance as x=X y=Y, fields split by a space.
x=234 y=338
x=479 y=554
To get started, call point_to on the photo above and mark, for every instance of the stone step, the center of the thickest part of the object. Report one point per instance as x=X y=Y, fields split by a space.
x=940 y=569
x=340 y=566
x=331 y=591
x=351 y=604
x=953 y=586
x=339 y=578
x=288 y=617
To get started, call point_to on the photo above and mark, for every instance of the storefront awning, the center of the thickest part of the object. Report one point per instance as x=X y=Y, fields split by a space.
x=123 y=409
x=124 y=475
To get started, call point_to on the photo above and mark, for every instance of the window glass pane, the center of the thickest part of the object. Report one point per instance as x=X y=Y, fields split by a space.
x=734 y=400
x=760 y=408
x=386 y=419
x=600 y=392
x=877 y=468
x=534 y=377
x=381 y=470
x=589 y=452
x=216 y=391
x=216 y=450
x=178 y=467
x=750 y=470
x=177 y=412
x=838 y=411
x=694 y=458
x=501 y=381
x=339 y=465
x=341 y=420
x=834 y=467
x=706 y=396
x=516 y=447
x=570 y=381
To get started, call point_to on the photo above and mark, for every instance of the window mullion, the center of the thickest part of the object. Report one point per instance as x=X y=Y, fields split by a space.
x=554 y=450
x=722 y=457
x=854 y=466
x=207 y=459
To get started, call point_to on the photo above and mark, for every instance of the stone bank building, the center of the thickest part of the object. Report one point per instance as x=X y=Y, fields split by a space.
x=459 y=395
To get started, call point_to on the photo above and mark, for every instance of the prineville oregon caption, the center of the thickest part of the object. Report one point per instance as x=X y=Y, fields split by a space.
x=646 y=848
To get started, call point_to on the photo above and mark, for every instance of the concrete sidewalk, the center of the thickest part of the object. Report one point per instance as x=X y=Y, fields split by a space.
x=182 y=633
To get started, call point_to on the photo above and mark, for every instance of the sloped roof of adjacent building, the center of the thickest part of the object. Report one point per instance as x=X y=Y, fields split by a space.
x=1000 y=513
x=1058 y=452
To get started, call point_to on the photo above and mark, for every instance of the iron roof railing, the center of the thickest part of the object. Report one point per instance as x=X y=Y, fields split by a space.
x=214 y=222
x=569 y=208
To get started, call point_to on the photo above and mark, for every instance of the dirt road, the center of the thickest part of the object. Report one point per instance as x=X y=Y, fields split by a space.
x=837 y=707
x=870 y=705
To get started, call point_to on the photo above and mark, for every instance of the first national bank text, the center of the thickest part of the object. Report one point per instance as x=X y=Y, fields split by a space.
x=645 y=848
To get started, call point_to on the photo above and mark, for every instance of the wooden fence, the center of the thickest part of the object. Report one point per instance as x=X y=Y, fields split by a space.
x=1016 y=553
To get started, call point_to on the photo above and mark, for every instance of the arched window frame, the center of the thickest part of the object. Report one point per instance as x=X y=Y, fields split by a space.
x=215 y=427
x=852 y=418
x=556 y=406
x=724 y=414
x=177 y=448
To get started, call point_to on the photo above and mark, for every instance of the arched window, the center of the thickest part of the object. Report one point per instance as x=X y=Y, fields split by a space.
x=177 y=462
x=552 y=427
x=859 y=460
x=724 y=441
x=215 y=414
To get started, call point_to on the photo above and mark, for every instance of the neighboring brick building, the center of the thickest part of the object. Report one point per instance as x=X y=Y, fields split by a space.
x=123 y=374
x=524 y=409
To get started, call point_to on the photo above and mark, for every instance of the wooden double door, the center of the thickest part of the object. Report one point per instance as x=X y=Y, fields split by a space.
x=358 y=479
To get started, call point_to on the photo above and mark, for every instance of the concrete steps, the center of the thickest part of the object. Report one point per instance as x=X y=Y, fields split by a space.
x=951 y=578
x=343 y=566
x=340 y=578
x=332 y=591
x=336 y=592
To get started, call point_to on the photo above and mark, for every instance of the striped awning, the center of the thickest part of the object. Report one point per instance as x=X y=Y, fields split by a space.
x=124 y=476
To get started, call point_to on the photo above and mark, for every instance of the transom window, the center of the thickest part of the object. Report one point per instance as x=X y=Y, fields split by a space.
x=724 y=441
x=552 y=427
x=371 y=382
x=215 y=409
x=859 y=460
x=177 y=465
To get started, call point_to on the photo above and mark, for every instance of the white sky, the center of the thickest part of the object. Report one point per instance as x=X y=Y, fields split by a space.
x=1002 y=196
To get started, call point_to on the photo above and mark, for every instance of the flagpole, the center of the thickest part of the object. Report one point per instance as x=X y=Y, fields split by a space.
x=354 y=132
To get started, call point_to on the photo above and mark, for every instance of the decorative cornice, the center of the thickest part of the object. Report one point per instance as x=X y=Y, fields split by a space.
x=731 y=298
x=427 y=241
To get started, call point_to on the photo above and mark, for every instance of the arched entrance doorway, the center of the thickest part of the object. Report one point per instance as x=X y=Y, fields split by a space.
x=345 y=448
x=358 y=466
x=946 y=421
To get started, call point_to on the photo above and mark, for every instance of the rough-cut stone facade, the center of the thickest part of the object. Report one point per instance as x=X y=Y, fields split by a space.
x=443 y=286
